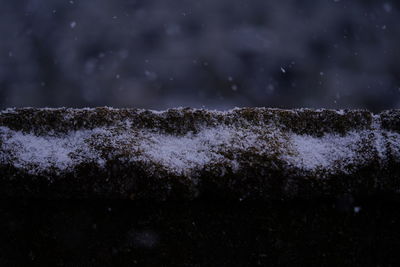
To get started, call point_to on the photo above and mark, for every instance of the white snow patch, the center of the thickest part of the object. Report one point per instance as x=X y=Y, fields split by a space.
x=181 y=154
x=326 y=152
x=340 y=112
x=193 y=151
x=39 y=153
x=393 y=140
x=178 y=154
x=379 y=139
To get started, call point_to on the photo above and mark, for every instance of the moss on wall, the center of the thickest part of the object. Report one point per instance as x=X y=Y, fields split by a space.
x=255 y=153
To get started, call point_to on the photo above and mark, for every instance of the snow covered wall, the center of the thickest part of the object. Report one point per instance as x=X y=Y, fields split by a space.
x=247 y=153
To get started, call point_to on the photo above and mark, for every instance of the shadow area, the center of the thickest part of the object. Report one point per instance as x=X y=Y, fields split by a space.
x=338 y=232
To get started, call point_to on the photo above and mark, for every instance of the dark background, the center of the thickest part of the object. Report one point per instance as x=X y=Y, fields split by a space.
x=210 y=53
x=124 y=233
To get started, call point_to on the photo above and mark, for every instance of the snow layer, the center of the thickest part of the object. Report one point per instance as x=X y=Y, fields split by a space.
x=330 y=152
x=186 y=154
x=251 y=137
x=38 y=154
x=183 y=154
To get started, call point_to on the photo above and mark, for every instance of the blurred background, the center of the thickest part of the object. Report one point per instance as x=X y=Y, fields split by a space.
x=214 y=54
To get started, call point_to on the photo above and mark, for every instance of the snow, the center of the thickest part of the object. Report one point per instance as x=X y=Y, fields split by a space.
x=393 y=142
x=182 y=154
x=186 y=152
x=328 y=152
x=37 y=154
x=192 y=152
x=178 y=154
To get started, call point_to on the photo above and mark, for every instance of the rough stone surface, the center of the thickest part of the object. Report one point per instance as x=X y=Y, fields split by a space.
x=247 y=153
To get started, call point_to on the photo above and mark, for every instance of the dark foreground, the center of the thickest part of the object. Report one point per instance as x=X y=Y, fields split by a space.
x=339 y=232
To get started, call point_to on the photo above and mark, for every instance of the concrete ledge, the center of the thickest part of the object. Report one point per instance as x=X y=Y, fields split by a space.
x=248 y=153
